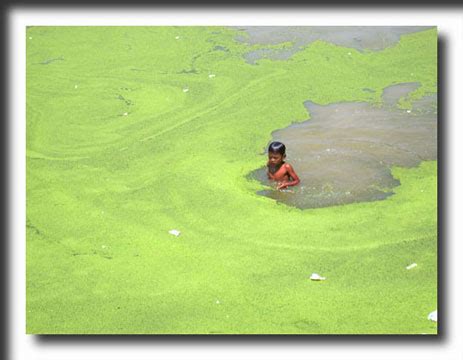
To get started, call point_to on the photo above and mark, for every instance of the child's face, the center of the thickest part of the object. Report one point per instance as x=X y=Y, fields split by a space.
x=275 y=158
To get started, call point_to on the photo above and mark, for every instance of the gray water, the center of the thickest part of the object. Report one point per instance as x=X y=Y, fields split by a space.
x=362 y=38
x=344 y=153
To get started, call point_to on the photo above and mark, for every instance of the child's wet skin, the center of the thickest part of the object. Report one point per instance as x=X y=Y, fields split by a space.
x=277 y=170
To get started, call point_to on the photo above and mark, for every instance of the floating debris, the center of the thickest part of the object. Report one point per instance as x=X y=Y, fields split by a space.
x=411 y=266
x=217 y=302
x=186 y=90
x=174 y=232
x=211 y=76
x=177 y=37
x=287 y=190
x=409 y=111
x=317 y=277
x=125 y=114
x=433 y=316
x=49 y=61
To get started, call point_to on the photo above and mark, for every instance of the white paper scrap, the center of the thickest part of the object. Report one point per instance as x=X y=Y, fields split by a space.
x=174 y=232
x=317 y=277
x=433 y=316
x=411 y=266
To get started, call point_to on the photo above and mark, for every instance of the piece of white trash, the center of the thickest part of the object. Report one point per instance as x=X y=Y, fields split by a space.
x=286 y=190
x=125 y=114
x=411 y=266
x=177 y=37
x=211 y=76
x=174 y=232
x=317 y=277
x=186 y=90
x=433 y=316
x=409 y=111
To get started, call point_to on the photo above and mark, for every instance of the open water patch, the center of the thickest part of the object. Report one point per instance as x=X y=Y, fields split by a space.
x=362 y=38
x=345 y=152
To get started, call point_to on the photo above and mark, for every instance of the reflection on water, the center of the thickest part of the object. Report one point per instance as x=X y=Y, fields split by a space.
x=344 y=153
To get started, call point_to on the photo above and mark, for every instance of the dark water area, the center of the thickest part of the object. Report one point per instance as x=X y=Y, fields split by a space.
x=345 y=152
x=361 y=38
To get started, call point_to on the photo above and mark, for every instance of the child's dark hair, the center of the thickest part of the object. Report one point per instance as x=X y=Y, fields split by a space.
x=277 y=147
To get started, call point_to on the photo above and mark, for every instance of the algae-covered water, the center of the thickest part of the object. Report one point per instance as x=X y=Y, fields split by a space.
x=135 y=131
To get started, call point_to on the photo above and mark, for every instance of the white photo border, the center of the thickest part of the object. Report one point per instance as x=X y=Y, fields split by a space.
x=447 y=345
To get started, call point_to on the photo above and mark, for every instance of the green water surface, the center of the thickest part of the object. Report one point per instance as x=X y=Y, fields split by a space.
x=134 y=131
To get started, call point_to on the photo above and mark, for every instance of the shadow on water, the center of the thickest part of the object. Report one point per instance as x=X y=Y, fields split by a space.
x=345 y=152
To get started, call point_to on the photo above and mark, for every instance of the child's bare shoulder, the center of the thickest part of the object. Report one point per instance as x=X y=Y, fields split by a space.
x=287 y=166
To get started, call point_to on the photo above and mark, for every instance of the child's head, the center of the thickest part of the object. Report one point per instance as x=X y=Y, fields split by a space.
x=276 y=152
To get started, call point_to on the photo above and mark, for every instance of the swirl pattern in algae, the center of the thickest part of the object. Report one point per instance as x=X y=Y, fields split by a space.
x=134 y=131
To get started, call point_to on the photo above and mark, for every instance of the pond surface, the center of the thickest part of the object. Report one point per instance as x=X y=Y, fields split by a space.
x=362 y=38
x=344 y=153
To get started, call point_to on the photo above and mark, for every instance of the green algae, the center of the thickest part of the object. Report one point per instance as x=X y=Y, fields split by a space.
x=139 y=130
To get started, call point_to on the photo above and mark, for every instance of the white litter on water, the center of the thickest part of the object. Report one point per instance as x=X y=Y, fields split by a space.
x=211 y=76
x=174 y=232
x=287 y=190
x=433 y=316
x=177 y=37
x=317 y=277
x=186 y=90
x=409 y=111
x=411 y=266
x=125 y=114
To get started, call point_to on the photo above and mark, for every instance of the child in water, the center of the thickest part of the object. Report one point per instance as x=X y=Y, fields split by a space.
x=279 y=171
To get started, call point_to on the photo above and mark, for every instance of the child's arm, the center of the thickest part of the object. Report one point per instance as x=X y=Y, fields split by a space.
x=293 y=175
